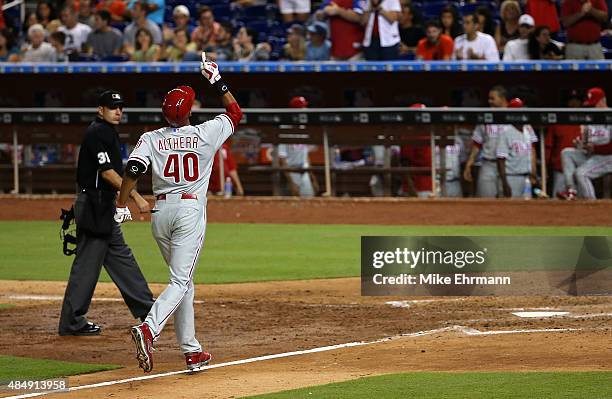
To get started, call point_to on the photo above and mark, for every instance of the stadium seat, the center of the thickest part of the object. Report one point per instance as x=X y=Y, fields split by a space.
x=470 y=8
x=255 y=12
x=606 y=42
x=222 y=12
x=432 y=10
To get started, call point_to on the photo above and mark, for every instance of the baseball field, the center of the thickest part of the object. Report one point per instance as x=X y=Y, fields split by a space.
x=278 y=304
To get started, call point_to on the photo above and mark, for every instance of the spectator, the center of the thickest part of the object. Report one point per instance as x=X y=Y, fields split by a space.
x=345 y=30
x=410 y=29
x=381 y=41
x=38 y=50
x=583 y=22
x=223 y=50
x=486 y=22
x=474 y=45
x=76 y=32
x=541 y=47
x=180 y=16
x=517 y=49
x=86 y=12
x=45 y=12
x=544 y=12
x=57 y=40
x=2 y=23
x=181 y=45
x=146 y=49
x=117 y=9
x=155 y=9
x=295 y=48
x=508 y=28
x=53 y=26
x=245 y=48
x=206 y=32
x=104 y=41
x=318 y=47
x=139 y=12
x=294 y=10
x=8 y=51
x=559 y=137
x=449 y=21
x=29 y=20
x=436 y=46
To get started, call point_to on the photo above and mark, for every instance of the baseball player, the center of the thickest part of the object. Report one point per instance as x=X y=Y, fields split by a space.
x=589 y=158
x=453 y=168
x=516 y=158
x=180 y=157
x=484 y=140
x=558 y=138
x=303 y=184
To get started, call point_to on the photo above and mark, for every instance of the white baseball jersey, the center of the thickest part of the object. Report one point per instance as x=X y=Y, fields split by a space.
x=487 y=136
x=182 y=158
x=515 y=147
x=597 y=134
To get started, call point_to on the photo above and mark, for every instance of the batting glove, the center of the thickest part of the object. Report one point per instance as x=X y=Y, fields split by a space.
x=210 y=70
x=122 y=215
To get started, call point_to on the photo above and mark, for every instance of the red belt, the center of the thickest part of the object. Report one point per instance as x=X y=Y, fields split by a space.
x=183 y=196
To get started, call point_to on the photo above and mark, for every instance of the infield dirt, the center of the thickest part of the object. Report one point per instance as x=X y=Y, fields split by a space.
x=239 y=321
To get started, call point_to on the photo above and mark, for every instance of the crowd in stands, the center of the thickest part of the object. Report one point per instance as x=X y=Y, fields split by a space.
x=305 y=30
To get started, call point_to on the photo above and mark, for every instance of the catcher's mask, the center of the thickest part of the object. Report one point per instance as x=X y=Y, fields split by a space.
x=68 y=232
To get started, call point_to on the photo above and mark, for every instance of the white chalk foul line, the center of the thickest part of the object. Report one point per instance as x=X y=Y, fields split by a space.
x=462 y=329
x=59 y=298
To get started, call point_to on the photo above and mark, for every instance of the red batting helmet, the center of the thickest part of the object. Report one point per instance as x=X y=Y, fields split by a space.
x=418 y=105
x=177 y=105
x=298 y=102
x=515 y=103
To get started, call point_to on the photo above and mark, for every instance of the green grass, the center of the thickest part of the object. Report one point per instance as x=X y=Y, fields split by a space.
x=422 y=385
x=22 y=368
x=6 y=305
x=236 y=252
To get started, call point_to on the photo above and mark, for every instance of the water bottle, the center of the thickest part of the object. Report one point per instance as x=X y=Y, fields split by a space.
x=227 y=188
x=337 y=157
x=527 y=189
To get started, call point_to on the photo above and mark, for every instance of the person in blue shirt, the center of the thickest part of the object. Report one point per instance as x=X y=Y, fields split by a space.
x=8 y=51
x=156 y=10
x=318 y=47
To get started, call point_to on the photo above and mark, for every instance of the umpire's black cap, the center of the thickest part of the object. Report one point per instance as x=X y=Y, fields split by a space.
x=111 y=99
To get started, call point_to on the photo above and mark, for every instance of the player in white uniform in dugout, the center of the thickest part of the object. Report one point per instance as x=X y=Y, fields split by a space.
x=180 y=158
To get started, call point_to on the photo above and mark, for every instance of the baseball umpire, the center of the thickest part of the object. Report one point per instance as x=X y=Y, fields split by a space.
x=99 y=237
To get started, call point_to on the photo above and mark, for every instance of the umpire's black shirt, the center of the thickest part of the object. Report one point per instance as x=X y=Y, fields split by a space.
x=99 y=151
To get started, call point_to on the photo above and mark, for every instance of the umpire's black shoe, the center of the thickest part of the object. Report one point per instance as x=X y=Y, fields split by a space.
x=89 y=329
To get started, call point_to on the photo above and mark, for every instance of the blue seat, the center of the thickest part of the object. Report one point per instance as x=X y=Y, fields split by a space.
x=606 y=42
x=470 y=8
x=222 y=12
x=255 y=12
x=432 y=10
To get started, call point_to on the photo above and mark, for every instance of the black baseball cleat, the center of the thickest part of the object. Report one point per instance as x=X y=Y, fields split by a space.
x=89 y=329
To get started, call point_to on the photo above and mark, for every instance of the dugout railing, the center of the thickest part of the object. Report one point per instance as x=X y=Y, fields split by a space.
x=327 y=127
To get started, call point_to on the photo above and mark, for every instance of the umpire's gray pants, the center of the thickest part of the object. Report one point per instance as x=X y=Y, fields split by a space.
x=179 y=227
x=119 y=262
x=594 y=167
x=488 y=183
x=571 y=159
